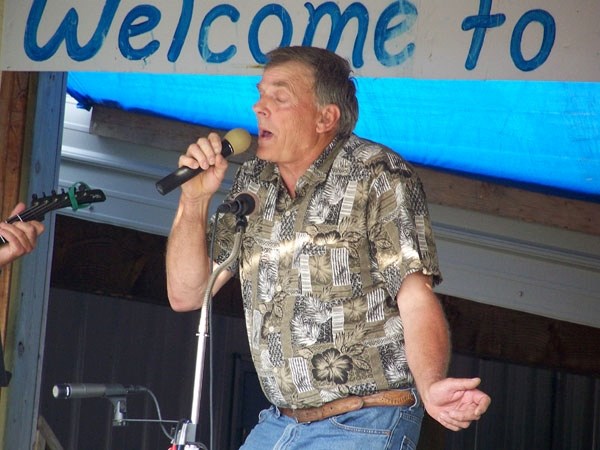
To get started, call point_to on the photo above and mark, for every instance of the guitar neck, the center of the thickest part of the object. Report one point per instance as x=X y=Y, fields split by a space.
x=76 y=198
x=82 y=197
x=37 y=212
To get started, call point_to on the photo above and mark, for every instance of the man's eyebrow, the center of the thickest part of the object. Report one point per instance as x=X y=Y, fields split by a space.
x=282 y=83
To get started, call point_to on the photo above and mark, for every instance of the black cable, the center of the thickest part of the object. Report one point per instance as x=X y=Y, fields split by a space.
x=160 y=420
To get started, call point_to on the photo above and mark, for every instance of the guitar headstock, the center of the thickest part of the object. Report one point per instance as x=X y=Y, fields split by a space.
x=78 y=196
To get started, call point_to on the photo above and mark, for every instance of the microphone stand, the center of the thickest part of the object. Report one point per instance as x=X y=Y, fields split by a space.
x=203 y=331
x=119 y=410
x=117 y=395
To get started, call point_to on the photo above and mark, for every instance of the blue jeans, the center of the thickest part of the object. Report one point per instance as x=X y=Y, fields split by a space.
x=374 y=428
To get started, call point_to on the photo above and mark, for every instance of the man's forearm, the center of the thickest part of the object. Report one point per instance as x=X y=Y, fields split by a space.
x=427 y=349
x=426 y=334
x=187 y=261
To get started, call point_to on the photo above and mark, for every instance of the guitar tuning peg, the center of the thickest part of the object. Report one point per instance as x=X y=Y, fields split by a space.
x=53 y=192
x=34 y=197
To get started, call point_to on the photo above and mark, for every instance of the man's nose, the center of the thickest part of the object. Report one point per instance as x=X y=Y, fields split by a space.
x=260 y=108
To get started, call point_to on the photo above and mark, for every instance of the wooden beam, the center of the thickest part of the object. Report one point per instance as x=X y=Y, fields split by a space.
x=152 y=131
x=442 y=188
x=498 y=333
x=14 y=97
x=45 y=439
x=468 y=193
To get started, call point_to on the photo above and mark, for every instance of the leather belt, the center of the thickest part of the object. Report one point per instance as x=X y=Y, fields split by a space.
x=350 y=403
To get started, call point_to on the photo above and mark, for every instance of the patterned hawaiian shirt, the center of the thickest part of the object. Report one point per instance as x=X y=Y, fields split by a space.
x=320 y=272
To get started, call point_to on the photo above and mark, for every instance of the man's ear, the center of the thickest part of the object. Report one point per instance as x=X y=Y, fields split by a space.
x=329 y=119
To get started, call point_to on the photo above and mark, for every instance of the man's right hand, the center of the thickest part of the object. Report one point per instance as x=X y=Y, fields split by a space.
x=206 y=154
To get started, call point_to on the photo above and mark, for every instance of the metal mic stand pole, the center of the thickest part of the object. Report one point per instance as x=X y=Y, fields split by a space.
x=203 y=332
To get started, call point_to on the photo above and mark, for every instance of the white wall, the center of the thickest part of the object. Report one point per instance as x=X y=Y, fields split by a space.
x=439 y=39
x=503 y=262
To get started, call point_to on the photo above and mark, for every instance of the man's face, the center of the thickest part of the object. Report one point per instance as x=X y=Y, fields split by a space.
x=287 y=115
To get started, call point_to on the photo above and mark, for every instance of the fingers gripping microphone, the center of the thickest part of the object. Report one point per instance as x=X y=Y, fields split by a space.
x=91 y=390
x=242 y=205
x=234 y=142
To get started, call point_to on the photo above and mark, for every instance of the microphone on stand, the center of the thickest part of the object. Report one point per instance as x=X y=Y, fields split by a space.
x=242 y=205
x=235 y=142
x=92 y=390
x=116 y=393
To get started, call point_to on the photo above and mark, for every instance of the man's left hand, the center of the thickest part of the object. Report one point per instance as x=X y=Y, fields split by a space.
x=456 y=402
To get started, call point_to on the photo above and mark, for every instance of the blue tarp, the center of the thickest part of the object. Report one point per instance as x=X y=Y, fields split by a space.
x=544 y=136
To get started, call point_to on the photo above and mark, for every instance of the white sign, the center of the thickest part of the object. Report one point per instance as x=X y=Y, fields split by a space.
x=437 y=39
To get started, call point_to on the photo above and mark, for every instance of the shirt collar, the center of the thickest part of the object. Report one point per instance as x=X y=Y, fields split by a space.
x=317 y=171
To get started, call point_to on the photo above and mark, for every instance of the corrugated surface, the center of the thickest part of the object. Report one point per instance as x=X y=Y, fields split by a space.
x=532 y=409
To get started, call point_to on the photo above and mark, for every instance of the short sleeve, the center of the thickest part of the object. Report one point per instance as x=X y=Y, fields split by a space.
x=399 y=227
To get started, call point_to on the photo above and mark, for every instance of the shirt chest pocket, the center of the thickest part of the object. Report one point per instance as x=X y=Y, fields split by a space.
x=330 y=267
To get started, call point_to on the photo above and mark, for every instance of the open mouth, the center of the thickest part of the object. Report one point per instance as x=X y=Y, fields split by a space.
x=264 y=134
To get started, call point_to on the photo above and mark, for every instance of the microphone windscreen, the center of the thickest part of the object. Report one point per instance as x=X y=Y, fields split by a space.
x=239 y=139
x=61 y=391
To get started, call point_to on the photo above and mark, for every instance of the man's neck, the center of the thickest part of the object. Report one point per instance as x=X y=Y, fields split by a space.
x=291 y=173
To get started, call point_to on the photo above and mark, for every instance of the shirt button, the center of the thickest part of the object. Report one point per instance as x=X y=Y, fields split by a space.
x=278 y=288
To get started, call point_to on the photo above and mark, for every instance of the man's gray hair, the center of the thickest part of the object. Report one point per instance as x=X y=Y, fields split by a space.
x=333 y=83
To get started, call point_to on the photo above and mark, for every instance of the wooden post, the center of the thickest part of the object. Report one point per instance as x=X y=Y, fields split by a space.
x=14 y=93
x=39 y=134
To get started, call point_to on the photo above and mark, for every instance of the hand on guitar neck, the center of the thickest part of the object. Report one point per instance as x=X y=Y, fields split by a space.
x=19 y=233
x=19 y=237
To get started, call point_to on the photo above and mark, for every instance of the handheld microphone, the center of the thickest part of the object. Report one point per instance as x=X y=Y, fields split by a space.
x=235 y=142
x=91 y=390
x=242 y=205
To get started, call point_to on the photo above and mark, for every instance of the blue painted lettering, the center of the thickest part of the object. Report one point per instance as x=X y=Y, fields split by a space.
x=396 y=20
x=286 y=23
x=484 y=20
x=129 y=28
x=207 y=54
x=183 y=26
x=383 y=32
x=480 y=23
x=67 y=31
x=549 y=26
x=338 y=23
